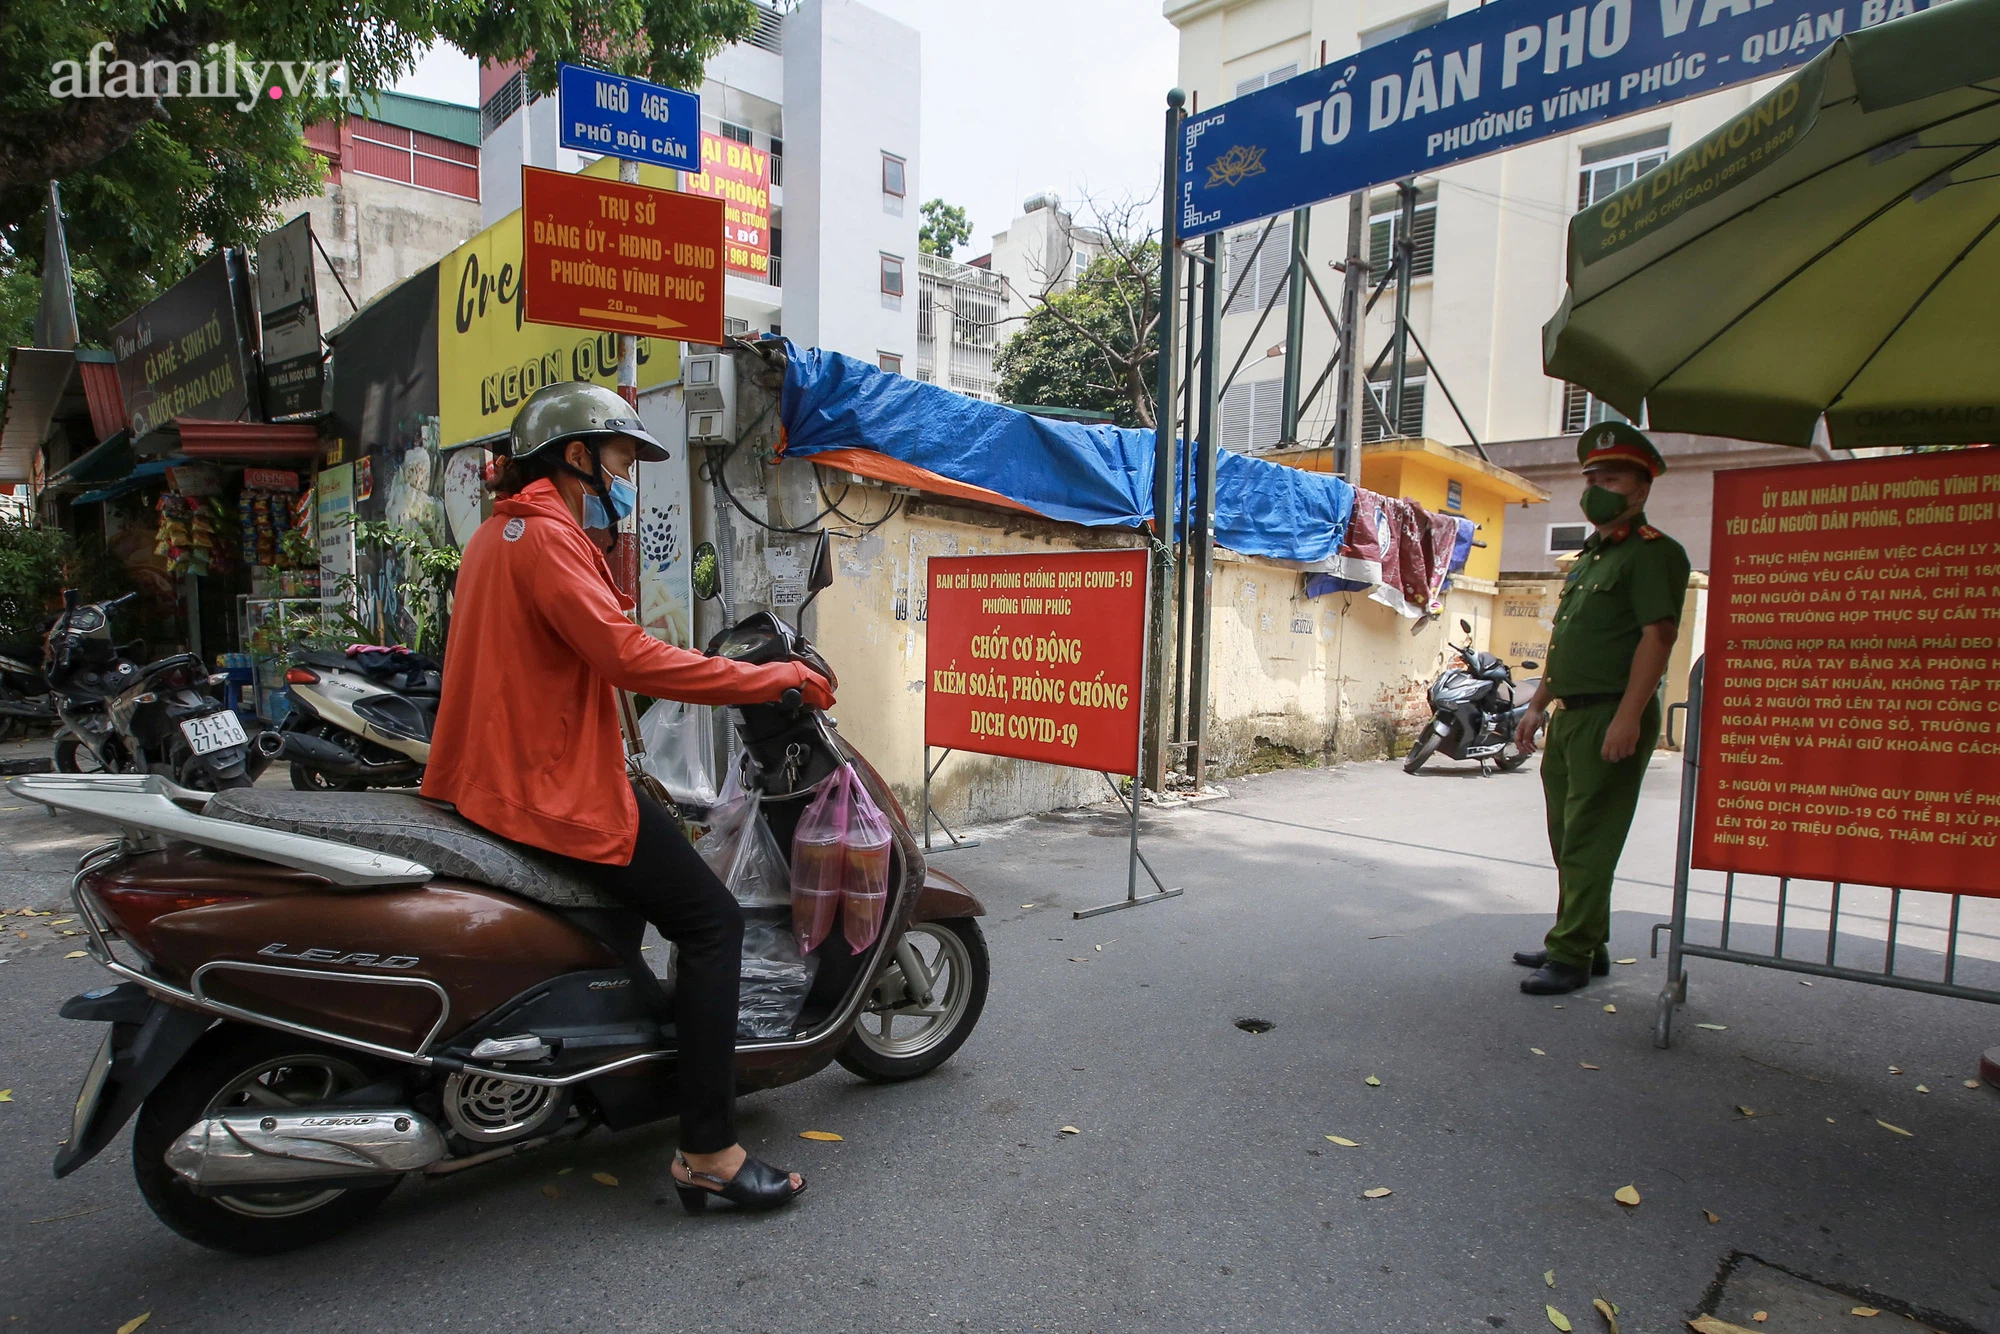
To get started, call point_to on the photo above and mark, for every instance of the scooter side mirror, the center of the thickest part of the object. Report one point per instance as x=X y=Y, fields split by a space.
x=821 y=576
x=1527 y=666
x=1465 y=625
x=707 y=575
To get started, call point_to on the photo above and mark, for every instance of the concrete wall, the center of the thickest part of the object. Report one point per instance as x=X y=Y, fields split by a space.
x=378 y=233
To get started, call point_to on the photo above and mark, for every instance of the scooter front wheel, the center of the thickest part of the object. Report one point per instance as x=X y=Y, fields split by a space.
x=899 y=1036
x=1426 y=747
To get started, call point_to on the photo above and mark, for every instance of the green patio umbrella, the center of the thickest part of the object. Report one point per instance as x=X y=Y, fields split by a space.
x=1833 y=250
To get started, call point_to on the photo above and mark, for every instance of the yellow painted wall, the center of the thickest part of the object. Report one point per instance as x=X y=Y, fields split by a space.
x=1428 y=484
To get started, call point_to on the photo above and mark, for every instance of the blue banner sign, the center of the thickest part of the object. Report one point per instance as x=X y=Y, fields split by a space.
x=1493 y=78
x=628 y=118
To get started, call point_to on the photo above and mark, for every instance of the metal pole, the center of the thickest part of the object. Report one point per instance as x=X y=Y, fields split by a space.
x=1346 y=416
x=628 y=344
x=1203 y=535
x=1295 y=326
x=1153 y=749
x=1406 y=249
x=1183 y=473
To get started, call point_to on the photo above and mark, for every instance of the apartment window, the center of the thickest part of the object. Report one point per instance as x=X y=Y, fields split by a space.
x=890 y=361
x=892 y=176
x=768 y=30
x=1264 y=282
x=1267 y=78
x=1567 y=537
x=1415 y=381
x=1385 y=215
x=1583 y=410
x=892 y=275
x=777 y=162
x=1253 y=415
x=740 y=133
x=1609 y=168
x=1404 y=26
x=775 y=275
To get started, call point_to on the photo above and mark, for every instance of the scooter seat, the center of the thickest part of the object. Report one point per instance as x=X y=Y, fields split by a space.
x=408 y=826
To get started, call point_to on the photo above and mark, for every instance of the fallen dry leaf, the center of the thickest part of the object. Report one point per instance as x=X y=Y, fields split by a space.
x=135 y=1322
x=1069 y=1130
x=1080 y=958
x=1538 y=1051
x=1804 y=983
x=822 y=1136
x=1027 y=905
x=1714 y=1028
x=1922 y=1089
x=1376 y=1192
x=1098 y=948
x=1344 y=1143
x=551 y=1192
x=564 y=1171
x=1549 y=1277
x=1864 y=1310
x=1897 y=1129
x=1895 y=1069
x=75 y=954
x=1372 y=1082
x=6 y=1095
x=1972 y=1083
x=1588 y=1066
x=1711 y=1215
x=1611 y=1009
x=1627 y=1196
x=1608 y=1311
x=1746 y=1112
x=1760 y=1316
x=1624 y=961
x=1708 y=1324
x=1557 y=1318
x=604 y=1178
x=62 y=921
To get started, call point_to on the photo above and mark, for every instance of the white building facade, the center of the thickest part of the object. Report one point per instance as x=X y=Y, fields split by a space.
x=1490 y=237
x=830 y=89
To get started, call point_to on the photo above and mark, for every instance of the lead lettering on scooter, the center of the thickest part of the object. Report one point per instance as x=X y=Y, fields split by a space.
x=359 y=959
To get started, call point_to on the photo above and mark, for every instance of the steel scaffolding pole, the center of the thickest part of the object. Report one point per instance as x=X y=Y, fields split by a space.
x=1406 y=249
x=1295 y=327
x=1203 y=536
x=1346 y=414
x=1153 y=750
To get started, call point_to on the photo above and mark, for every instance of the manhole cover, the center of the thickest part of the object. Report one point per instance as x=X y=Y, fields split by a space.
x=1255 y=1025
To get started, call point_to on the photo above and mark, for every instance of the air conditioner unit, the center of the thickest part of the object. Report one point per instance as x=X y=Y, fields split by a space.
x=708 y=388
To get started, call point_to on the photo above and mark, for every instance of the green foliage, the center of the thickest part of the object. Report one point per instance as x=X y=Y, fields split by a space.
x=150 y=186
x=945 y=229
x=1094 y=346
x=34 y=565
x=425 y=571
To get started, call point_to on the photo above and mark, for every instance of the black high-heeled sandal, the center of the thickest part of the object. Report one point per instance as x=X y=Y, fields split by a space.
x=756 y=1185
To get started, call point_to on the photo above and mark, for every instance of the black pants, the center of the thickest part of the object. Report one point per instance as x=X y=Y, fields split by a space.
x=670 y=884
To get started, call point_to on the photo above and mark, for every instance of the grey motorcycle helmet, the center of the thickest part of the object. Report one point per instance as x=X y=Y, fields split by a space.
x=574 y=410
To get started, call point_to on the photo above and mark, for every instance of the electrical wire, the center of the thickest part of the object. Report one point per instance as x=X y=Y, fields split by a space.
x=712 y=472
x=895 y=505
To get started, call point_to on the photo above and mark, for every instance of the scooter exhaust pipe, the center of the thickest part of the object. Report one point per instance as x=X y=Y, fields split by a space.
x=319 y=753
x=259 y=1148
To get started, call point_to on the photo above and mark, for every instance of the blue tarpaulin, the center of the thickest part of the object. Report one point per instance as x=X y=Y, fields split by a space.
x=1091 y=475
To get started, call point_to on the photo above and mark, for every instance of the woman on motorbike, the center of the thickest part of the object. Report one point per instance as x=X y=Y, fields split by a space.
x=527 y=741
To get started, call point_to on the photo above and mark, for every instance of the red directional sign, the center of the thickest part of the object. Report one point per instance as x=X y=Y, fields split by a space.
x=608 y=255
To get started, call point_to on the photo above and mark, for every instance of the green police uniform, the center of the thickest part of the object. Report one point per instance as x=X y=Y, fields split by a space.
x=1625 y=580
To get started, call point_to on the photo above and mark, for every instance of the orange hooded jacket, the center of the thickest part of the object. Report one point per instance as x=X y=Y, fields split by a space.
x=527 y=741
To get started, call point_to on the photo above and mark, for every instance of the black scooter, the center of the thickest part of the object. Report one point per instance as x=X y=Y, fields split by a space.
x=1474 y=713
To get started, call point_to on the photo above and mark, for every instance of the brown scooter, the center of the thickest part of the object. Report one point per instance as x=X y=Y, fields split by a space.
x=324 y=993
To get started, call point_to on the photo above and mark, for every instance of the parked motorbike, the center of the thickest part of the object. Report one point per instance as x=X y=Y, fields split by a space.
x=320 y=995
x=359 y=719
x=121 y=717
x=25 y=698
x=1474 y=713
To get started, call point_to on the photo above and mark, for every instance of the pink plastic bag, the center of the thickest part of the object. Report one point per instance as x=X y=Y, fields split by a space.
x=865 y=891
x=819 y=862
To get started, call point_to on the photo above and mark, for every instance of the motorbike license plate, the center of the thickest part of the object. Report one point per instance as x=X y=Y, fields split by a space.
x=93 y=1088
x=213 y=731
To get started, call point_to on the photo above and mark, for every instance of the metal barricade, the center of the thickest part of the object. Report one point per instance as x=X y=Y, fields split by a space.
x=1818 y=949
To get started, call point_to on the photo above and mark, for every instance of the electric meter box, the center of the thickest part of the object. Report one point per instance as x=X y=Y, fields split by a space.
x=708 y=387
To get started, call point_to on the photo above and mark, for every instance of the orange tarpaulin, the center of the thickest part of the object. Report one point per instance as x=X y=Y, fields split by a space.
x=869 y=463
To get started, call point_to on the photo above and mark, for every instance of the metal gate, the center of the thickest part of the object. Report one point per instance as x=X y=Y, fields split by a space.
x=1807 y=918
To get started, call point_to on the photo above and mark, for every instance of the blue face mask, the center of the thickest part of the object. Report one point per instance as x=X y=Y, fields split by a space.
x=624 y=499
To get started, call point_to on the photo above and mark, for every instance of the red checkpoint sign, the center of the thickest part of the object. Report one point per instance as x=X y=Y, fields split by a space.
x=1038 y=656
x=1849 y=724
x=623 y=258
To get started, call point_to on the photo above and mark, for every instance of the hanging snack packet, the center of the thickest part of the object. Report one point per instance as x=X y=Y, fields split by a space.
x=819 y=861
x=865 y=890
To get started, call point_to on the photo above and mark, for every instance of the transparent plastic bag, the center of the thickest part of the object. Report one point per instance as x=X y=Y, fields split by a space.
x=740 y=848
x=680 y=751
x=865 y=888
x=775 y=978
x=819 y=862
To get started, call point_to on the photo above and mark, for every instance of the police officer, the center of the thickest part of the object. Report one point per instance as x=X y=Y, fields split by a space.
x=1615 y=625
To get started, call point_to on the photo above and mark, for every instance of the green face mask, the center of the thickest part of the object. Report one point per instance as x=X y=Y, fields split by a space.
x=1601 y=506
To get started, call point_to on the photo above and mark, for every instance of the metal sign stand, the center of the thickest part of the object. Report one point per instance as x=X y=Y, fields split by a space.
x=930 y=771
x=1825 y=962
x=1133 y=861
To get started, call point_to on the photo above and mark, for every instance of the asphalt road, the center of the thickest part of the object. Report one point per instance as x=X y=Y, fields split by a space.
x=1367 y=915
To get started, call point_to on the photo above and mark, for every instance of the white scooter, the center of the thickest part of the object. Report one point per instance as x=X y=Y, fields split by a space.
x=358 y=719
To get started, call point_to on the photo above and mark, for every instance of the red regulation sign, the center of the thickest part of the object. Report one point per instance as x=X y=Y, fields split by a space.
x=1850 y=725
x=1038 y=656
x=598 y=254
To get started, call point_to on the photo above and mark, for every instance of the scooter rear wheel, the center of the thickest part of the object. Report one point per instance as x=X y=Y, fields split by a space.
x=240 y=1066
x=312 y=780
x=954 y=952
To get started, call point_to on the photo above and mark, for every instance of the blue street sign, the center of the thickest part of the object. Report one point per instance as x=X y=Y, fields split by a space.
x=628 y=118
x=1492 y=78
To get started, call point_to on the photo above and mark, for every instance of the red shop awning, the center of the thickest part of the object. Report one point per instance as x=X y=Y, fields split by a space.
x=249 y=442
